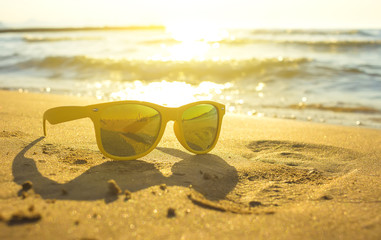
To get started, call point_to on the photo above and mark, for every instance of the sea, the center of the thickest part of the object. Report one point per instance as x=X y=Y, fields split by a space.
x=330 y=76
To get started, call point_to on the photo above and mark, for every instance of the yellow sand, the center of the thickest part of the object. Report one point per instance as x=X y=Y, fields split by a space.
x=266 y=179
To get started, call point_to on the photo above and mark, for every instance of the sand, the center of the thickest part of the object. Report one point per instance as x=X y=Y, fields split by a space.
x=266 y=179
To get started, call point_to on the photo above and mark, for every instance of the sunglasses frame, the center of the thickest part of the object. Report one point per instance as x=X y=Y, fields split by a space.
x=69 y=113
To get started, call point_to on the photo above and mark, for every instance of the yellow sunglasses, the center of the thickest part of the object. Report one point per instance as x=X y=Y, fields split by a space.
x=128 y=130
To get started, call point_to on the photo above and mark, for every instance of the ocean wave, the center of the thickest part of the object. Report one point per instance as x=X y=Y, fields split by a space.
x=340 y=43
x=333 y=108
x=193 y=72
x=33 y=39
x=324 y=32
x=314 y=43
x=82 y=67
x=364 y=69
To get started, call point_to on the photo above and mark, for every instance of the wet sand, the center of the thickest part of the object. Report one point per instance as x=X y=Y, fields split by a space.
x=266 y=179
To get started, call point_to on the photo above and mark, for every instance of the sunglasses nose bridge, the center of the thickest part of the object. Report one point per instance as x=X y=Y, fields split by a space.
x=172 y=114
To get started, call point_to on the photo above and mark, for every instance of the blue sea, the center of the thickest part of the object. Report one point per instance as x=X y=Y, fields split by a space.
x=330 y=76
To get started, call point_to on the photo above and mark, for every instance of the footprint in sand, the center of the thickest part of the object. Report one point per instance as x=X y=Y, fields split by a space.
x=313 y=156
x=285 y=172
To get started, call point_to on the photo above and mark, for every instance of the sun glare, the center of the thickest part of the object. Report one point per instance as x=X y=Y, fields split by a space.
x=188 y=32
x=195 y=39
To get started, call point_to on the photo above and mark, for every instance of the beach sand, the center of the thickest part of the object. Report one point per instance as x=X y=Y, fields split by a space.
x=266 y=179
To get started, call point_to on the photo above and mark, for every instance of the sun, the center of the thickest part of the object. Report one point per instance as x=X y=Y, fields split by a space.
x=195 y=31
x=195 y=40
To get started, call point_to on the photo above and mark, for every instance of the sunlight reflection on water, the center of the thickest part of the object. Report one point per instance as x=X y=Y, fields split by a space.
x=176 y=93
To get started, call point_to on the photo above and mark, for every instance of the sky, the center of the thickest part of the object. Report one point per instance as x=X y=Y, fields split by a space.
x=220 y=13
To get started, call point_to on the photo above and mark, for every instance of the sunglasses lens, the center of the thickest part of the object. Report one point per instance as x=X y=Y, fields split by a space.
x=200 y=125
x=129 y=129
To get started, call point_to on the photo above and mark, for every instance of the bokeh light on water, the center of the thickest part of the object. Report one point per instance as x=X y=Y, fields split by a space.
x=163 y=92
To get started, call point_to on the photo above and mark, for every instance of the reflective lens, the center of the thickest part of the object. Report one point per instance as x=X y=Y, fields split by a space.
x=200 y=125
x=129 y=129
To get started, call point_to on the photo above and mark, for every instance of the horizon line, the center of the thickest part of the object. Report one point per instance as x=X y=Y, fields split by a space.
x=155 y=27
x=88 y=28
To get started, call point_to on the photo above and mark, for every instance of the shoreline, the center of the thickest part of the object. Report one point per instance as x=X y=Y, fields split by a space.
x=266 y=179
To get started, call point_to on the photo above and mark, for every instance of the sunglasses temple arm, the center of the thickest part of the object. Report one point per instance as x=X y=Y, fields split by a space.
x=63 y=114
